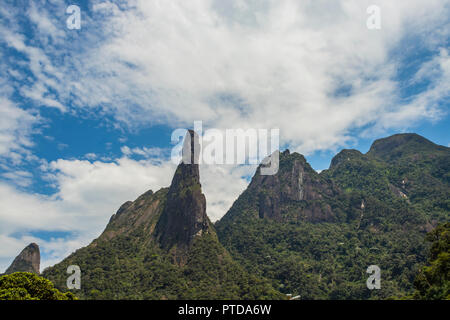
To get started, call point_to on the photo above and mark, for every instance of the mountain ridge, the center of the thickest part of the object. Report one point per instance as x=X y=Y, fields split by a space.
x=384 y=202
x=162 y=246
x=296 y=232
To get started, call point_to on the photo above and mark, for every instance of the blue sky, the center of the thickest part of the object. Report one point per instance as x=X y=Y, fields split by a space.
x=87 y=115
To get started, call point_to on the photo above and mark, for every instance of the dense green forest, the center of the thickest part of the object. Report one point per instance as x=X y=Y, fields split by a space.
x=125 y=269
x=433 y=280
x=386 y=201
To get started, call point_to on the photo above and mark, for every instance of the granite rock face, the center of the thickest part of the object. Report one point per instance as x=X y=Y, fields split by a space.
x=139 y=216
x=296 y=185
x=172 y=217
x=27 y=261
x=295 y=192
x=184 y=215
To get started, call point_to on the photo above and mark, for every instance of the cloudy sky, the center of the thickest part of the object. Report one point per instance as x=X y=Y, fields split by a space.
x=86 y=116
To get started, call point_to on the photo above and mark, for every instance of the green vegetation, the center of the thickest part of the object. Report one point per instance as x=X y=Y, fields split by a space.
x=124 y=268
x=389 y=198
x=298 y=232
x=128 y=262
x=327 y=260
x=433 y=280
x=28 y=286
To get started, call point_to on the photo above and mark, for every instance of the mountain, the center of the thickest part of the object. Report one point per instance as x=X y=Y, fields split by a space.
x=184 y=215
x=314 y=235
x=162 y=246
x=28 y=260
x=419 y=169
x=404 y=166
x=405 y=145
x=296 y=192
x=296 y=232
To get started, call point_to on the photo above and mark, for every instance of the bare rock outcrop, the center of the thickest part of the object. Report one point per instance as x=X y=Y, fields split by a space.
x=296 y=191
x=27 y=261
x=184 y=215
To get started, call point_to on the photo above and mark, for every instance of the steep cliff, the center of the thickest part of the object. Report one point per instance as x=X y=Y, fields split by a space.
x=295 y=193
x=27 y=261
x=184 y=215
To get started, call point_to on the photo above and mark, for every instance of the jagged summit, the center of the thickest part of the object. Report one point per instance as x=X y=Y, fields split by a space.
x=140 y=216
x=27 y=261
x=191 y=149
x=295 y=192
x=163 y=246
x=184 y=215
x=172 y=216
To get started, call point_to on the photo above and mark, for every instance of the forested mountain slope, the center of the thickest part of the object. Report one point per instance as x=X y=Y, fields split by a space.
x=315 y=234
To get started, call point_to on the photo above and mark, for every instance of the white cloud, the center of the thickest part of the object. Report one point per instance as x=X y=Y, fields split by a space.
x=426 y=104
x=47 y=78
x=243 y=64
x=90 y=156
x=257 y=64
x=16 y=127
x=46 y=25
x=145 y=152
x=19 y=177
x=222 y=185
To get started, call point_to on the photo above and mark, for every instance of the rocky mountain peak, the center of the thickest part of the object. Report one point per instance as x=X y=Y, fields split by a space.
x=191 y=148
x=184 y=214
x=296 y=181
x=27 y=261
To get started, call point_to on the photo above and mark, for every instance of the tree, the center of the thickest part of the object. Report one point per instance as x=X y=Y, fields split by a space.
x=433 y=280
x=29 y=286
